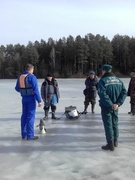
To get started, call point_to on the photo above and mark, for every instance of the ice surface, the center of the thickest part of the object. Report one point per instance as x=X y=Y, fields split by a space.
x=71 y=149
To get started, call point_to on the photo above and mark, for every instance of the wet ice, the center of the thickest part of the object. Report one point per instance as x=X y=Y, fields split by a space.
x=71 y=149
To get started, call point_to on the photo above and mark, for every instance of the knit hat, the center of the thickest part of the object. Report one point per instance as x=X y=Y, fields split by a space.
x=92 y=72
x=49 y=75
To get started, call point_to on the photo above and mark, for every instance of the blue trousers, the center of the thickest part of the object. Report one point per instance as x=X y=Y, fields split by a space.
x=28 y=117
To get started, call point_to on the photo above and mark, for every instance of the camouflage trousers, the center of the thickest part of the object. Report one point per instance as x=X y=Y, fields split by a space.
x=89 y=100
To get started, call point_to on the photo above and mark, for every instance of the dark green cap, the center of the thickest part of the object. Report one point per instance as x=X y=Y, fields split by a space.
x=106 y=67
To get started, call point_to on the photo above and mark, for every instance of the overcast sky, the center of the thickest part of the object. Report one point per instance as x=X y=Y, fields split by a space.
x=31 y=20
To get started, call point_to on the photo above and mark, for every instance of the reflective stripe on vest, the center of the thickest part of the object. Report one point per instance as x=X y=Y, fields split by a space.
x=25 y=87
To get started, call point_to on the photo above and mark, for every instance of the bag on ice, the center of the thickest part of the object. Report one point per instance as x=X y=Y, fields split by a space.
x=71 y=112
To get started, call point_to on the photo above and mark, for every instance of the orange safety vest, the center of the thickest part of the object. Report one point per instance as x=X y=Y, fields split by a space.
x=25 y=86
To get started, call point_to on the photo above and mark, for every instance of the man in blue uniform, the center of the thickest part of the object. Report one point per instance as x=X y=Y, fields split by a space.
x=28 y=88
x=112 y=94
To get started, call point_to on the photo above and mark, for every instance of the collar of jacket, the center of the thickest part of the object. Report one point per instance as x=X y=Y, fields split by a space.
x=108 y=74
x=26 y=72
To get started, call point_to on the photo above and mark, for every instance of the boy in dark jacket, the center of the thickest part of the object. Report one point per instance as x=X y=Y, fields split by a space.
x=50 y=95
x=112 y=94
x=90 y=92
x=131 y=92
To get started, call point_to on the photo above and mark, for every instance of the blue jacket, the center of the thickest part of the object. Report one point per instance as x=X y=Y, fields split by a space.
x=31 y=83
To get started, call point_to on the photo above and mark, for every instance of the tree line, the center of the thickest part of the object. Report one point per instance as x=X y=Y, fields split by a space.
x=69 y=57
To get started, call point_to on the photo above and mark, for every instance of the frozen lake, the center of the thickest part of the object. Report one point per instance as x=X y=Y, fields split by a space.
x=71 y=149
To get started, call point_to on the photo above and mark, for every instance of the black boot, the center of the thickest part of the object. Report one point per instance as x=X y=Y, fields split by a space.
x=53 y=108
x=115 y=143
x=46 y=115
x=34 y=138
x=85 y=109
x=53 y=115
x=109 y=146
x=132 y=109
x=46 y=109
x=130 y=112
x=92 y=108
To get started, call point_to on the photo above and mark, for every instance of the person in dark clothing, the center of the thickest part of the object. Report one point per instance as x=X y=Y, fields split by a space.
x=131 y=92
x=112 y=94
x=50 y=95
x=90 y=91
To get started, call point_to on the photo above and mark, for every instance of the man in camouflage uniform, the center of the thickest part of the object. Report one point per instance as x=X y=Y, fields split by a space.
x=90 y=91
